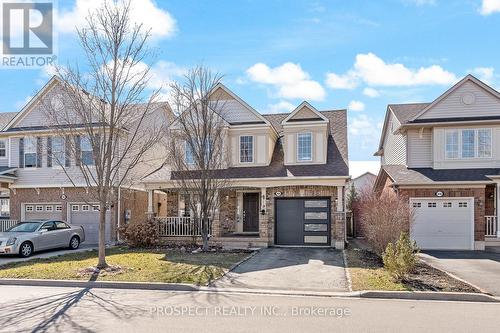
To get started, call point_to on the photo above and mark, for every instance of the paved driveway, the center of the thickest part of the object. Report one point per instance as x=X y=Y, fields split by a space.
x=7 y=259
x=317 y=269
x=479 y=268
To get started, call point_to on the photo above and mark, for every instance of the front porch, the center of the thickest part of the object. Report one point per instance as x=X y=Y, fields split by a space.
x=246 y=216
x=491 y=208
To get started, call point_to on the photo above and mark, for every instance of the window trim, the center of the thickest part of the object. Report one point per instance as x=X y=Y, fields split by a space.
x=297 y=143
x=476 y=143
x=55 y=163
x=26 y=138
x=253 y=149
x=6 y=149
x=75 y=208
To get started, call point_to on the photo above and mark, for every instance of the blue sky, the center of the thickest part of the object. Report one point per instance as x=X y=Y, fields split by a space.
x=359 y=55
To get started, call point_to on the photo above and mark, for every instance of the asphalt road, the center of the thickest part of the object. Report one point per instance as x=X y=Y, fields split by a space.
x=46 y=309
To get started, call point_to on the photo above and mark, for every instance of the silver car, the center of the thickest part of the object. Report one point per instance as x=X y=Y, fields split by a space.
x=27 y=237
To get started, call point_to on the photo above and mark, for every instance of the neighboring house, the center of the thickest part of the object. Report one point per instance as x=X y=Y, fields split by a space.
x=35 y=186
x=445 y=157
x=365 y=181
x=356 y=186
x=288 y=174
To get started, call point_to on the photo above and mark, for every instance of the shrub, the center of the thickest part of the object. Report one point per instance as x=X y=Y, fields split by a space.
x=400 y=259
x=384 y=217
x=140 y=233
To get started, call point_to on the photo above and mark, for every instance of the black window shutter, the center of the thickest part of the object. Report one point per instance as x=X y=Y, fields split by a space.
x=67 y=152
x=21 y=152
x=78 y=150
x=49 y=152
x=39 y=146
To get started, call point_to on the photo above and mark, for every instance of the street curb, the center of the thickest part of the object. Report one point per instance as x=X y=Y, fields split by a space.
x=454 y=276
x=180 y=287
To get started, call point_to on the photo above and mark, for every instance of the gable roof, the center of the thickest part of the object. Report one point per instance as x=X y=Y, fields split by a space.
x=299 y=108
x=460 y=83
x=6 y=117
x=27 y=107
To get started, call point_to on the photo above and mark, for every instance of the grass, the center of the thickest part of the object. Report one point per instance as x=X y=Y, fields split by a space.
x=368 y=273
x=139 y=266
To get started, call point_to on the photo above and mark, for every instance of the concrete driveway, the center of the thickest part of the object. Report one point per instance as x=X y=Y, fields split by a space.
x=7 y=259
x=302 y=269
x=476 y=267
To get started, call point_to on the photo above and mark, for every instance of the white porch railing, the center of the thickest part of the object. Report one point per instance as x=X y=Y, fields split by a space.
x=7 y=224
x=180 y=227
x=491 y=226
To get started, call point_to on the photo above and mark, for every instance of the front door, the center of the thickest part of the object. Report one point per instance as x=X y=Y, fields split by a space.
x=250 y=212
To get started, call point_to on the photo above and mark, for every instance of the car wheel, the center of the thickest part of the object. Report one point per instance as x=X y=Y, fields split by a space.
x=74 y=243
x=26 y=249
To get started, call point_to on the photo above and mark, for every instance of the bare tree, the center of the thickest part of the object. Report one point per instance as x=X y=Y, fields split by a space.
x=197 y=149
x=103 y=115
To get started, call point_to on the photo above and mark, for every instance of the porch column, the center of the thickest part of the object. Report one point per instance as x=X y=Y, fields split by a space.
x=340 y=199
x=498 y=209
x=150 y=211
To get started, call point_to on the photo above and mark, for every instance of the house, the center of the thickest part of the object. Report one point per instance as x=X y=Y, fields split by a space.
x=34 y=186
x=287 y=186
x=363 y=181
x=356 y=186
x=444 y=156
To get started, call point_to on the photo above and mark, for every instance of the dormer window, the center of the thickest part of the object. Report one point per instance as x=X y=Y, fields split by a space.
x=304 y=147
x=246 y=149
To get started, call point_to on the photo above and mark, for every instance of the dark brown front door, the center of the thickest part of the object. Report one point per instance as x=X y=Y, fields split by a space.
x=250 y=212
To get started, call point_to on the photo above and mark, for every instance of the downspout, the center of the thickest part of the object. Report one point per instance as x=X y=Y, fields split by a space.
x=119 y=209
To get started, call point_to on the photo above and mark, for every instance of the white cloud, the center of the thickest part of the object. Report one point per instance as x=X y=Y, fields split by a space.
x=290 y=80
x=373 y=71
x=357 y=168
x=346 y=81
x=485 y=74
x=356 y=106
x=370 y=92
x=366 y=129
x=146 y=12
x=489 y=7
x=280 y=107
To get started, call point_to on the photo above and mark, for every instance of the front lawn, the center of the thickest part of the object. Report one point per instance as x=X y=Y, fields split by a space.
x=368 y=273
x=137 y=265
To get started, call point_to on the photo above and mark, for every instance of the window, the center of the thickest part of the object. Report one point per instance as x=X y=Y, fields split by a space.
x=30 y=150
x=3 y=148
x=5 y=207
x=468 y=143
x=49 y=226
x=75 y=208
x=86 y=151
x=58 y=208
x=315 y=227
x=49 y=208
x=316 y=203
x=85 y=208
x=95 y=208
x=462 y=204
x=447 y=204
x=61 y=225
x=246 y=149
x=431 y=204
x=29 y=208
x=39 y=208
x=188 y=154
x=417 y=204
x=484 y=143
x=315 y=215
x=452 y=144
x=304 y=147
x=58 y=151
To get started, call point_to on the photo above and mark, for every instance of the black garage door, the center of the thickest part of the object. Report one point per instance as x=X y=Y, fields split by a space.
x=303 y=221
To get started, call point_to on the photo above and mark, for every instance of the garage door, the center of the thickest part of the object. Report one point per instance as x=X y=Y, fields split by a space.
x=87 y=216
x=303 y=221
x=46 y=211
x=443 y=223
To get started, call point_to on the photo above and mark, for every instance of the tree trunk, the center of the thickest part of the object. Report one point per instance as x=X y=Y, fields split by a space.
x=204 y=234
x=102 y=237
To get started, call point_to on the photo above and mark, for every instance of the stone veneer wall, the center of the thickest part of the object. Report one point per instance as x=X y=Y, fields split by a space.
x=227 y=214
x=479 y=203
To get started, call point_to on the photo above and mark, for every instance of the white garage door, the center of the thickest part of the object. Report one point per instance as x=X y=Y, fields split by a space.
x=41 y=211
x=443 y=223
x=87 y=216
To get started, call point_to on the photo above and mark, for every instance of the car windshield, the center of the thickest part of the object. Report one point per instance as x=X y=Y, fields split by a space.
x=25 y=227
